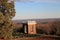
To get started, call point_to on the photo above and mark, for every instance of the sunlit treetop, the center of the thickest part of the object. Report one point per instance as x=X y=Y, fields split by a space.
x=7 y=7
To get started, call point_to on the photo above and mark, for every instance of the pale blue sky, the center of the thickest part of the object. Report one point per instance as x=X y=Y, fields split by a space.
x=34 y=10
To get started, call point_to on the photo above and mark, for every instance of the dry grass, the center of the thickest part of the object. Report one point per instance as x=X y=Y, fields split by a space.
x=45 y=37
x=41 y=37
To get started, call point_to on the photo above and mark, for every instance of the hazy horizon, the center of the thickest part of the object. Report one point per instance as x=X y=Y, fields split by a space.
x=37 y=10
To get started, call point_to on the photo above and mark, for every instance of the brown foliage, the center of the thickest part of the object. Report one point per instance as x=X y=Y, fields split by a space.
x=56 y=26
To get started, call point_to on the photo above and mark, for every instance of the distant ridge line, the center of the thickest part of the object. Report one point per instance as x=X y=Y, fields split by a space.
x=37 y=20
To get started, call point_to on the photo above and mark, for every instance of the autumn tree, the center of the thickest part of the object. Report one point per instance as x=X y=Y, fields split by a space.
x=56 y=27
x=7 y=12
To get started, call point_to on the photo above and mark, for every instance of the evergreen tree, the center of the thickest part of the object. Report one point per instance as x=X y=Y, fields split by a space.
x=7 y=12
